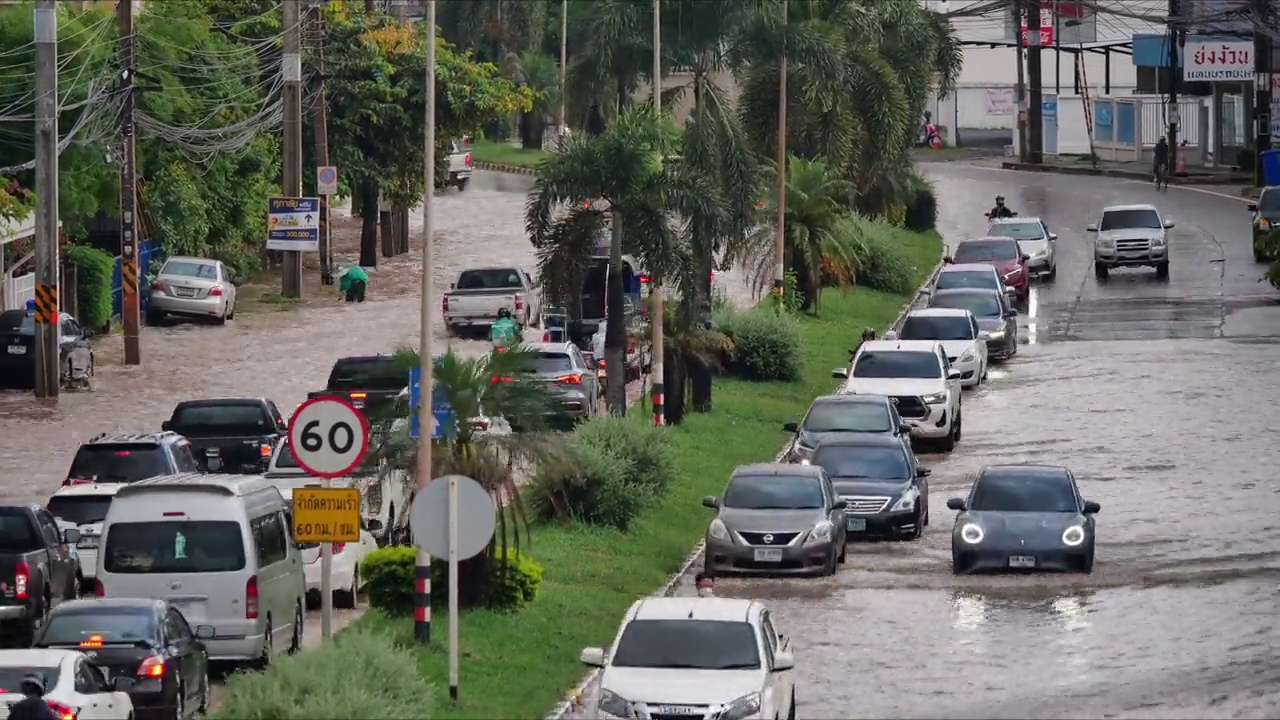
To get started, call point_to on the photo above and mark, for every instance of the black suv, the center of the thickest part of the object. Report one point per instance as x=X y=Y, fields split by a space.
x=130 y=457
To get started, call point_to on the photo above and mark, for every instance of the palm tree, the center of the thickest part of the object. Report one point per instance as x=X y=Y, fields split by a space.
x=612 y=44
x=689 y=346
x=540 y=74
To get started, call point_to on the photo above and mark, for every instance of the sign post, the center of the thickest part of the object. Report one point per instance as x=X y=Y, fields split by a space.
x=442 y=415
x=327 y=180
x=453 y=517
x=293 y=224
x=329 y=438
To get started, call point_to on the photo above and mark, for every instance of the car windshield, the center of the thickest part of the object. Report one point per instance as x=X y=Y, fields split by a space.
x=17 y=321
x=191 y=269
x=489 y=279
x=1024 y=494
x=11 y=677
x=1017 y=230
x=945 y=327
x=221 y=419
x=1269 y=201
x=981 y=251
x=80 y=509
x=961 y=279
x=1127 y=219
x=838 y=416
x=863 y=462
x=773 y=492
x=17 y=533
x=546 y=363
x=385 y=374
x=897 y=364
x=692 y=644
x=980 y=304
x=201 y=546
x=100 y=625
x=118 y=462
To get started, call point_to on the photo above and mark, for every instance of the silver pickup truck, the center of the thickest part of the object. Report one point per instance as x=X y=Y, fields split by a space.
x=479 y=293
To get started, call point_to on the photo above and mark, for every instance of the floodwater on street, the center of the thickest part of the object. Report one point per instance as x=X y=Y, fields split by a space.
x=1157 y=394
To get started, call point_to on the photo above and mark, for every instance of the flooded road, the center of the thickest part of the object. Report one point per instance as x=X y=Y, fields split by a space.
x=1158 y=394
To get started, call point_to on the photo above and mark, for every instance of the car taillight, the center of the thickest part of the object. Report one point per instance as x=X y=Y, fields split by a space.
x=444 y=303
x=265 y=450
x=569 y=379
x=251 y=598
x=338 y=548
x=152 y=667
x=215 y=291
x=61 y=711
x=497 y=380
x=157 y=285
x=546 y=336
x=631 y=349
x=99 y=589
x=480 y=425
x=519 y=303
x=644 y=279
x=467 y=159
x=21 y=576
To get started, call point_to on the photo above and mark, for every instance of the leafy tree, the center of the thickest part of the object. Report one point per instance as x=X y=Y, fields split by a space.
x=612 y=51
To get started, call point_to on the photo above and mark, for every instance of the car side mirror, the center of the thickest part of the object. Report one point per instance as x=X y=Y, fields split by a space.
x=237 y=280
x=904 y=428
x=87 y=334
x=948 y=260
x=1091 y=507
x=953 y=374
x=783 y=661
x=1253 y=207
x=592 y=656
x=453 y=286
x=1091 y=228
x=791 y=427
x=840 y=505
x=1168 y=224
x=1026 y=258
x=711 y=502
x=71 y=536
x=1011 y=313
x=374 y=526
x=984 y=335
x=956 y=504
x=840 y=374
x=166 y=426
x=204 y=632
x=1053 y=236
x=122 y=683
x=923 y=472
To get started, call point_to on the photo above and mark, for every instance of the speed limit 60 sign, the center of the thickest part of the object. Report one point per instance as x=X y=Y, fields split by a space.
x=329 y=437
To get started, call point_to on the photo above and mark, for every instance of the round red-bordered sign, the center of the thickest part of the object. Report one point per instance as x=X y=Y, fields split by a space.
x=328 y=437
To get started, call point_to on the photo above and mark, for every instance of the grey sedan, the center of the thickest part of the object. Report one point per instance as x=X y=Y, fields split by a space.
x=195 y=288
x=776 y=518
x=836 y=415
x=995 y=313
x=568 y=375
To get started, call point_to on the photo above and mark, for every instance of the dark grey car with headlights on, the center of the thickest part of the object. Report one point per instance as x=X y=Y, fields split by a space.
x=835 y=415
x=776 y=518
x=885 y=491
x=995 y=314
x=1023 y=517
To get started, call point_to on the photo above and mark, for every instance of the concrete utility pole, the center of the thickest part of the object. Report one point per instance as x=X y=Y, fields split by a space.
x=1020 y=90
x=780 y=232
x=1262 y=84
x=1035 y=109
x=322 y=150
x=291 y=272
x=564 y=63
x=1175 y=77
x=129 y=311
x=422 y=563
x=47 y=316
x=655 y=291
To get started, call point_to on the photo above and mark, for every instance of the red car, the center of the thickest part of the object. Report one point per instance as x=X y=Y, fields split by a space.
x=1001 y=253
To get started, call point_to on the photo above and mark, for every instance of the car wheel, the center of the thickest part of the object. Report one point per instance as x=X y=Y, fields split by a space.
x=180 y=703
x=1053 y=272
x=1162 y=270
x=346 y=599
x=231 y=314
x=264 y=656
x=206 y=694
x=462 y=184
x=918 y=529
x=221 y=319
x=949 y=442
x=295 y=642
x=1088 y=562
x=829 y=565
x=844 y=551
x=154 y=317
x=77 y=585
x=959 y=425
x=957 y=567
x=1099 y=271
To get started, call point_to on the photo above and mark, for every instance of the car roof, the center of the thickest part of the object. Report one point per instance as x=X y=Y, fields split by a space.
x=1014 y=220
x=846 y=399
x=940 y=312
x=968 y=267
x=109 y=602
x=192 y=259
x=695 y=608
x=967 y=290
x=110 y=438
x=861 y=440
x=1140 y=206
x=549 y=347
x=1029 y=471
x=986 y=238
x=80 y=489
x=904 y=345
x=776 y=470
x=210 y=402
x=34 y=657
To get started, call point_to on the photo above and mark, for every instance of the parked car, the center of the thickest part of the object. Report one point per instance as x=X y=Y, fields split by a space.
x=1004 y=255
x=18 y=350
x=844 y=414
x=966 y=276
x=1131 y=236
x=918 y=375
x=116 y=457
x=1034 y=239
x=460 y=164
x=958 y=331
x=883 y=487
x=229 y=434
x=996 y=316
x=696 y=657
x=1266 y=214
x=145 y=640
x=73 y=685
x=38 y=568
x=474 y=299
x=193 y=287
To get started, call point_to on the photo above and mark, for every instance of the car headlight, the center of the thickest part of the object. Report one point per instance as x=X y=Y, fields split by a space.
x=822 y=531
x=805 y=461
x=1107 y=244
x=742 y=708
x=907 y=501
x=967 y=356
x=972 y=534
x=1073 y=536
x=717 y=530
x=611 y=704
x=935 y=399
x=996 y=334
x=1158 y=240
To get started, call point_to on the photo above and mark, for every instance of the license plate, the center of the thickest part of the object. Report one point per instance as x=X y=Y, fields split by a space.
x=87 y=543
x=768 y=555
x=215 y=464
x=857 y=524
x=17 y=349
x=1022 y=561
x=681 y=710
x=184 y=292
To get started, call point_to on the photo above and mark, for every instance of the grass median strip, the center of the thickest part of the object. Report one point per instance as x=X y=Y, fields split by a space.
x=502 y=153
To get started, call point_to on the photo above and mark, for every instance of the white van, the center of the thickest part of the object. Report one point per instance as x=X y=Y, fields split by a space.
x=220 y=548
x=84 y=507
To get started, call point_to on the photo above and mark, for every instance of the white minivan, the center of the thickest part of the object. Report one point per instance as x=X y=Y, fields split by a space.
x=220 y=548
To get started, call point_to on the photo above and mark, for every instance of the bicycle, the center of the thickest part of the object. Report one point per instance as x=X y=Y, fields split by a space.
x=1161 y=176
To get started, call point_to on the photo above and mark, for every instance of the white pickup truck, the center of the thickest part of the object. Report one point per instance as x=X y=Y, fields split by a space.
x=479 y=293
x=460 y=164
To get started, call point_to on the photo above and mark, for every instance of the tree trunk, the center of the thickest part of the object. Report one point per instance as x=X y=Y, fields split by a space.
x=615 y=333
x=403 y=225
x=700 y=373
x=369 y=225
x=531 y=130
x=386 y=229
x=674 y=374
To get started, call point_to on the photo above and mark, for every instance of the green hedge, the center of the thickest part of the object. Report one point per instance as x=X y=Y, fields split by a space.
x=95 y=270
x=389 y=573
x=766 y=343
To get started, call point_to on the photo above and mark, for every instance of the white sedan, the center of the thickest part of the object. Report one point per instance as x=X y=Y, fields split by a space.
x=74 y=687
x=958 y=332
x=695 y=657
x=344 y=577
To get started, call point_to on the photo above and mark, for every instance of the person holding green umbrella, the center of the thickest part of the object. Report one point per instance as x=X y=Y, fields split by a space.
x=352 y=283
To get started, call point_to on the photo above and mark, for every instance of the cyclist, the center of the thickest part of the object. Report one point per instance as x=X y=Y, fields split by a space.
x=1160 y=161
x=505 y=332
x=1000 y=210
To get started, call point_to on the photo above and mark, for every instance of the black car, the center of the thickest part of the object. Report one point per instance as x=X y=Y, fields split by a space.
x=129 y=457
x=995 y=313
x=140 y=638
x=371 y=383
x=18 y=350
x=38 y=568
x=231 y=435
x=884 y=489
x=1266 y=213
x=1023 y=517
x=834 y=415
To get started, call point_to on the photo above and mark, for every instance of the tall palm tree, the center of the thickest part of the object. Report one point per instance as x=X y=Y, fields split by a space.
x=612 y=52
x=540 y=74
x=689 y=346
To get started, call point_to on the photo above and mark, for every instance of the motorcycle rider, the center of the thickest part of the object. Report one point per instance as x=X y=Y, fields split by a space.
x=1000 y=210
x=505 y=331
x=33 y=705
x=868 y=334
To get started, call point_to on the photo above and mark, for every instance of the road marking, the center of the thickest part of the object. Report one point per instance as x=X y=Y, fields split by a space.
x=1033 y=305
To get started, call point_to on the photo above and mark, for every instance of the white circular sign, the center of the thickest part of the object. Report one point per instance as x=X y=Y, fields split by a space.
x=429 y=517
x=328 y=436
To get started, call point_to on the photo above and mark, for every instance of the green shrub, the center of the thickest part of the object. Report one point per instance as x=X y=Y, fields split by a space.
x=648 y=461
x=588 y=486
x=922 y=212
x=350 y=677
x=885 y=266
x=388 y=576
x=94 y=270
x=487 y=582
x=766 y=346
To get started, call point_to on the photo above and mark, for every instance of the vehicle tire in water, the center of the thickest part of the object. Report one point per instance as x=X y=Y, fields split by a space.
x=844 y=551
x=295 y=642
x=180 y=703
x=918 y=529
x=1088 y=562
x=264 y=657
x=346 y=599
x=1162 y=270
x=1053 y=272
x=1100 y=271
x=206 y=694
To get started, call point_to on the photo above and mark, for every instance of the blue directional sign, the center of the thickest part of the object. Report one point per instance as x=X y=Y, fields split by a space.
x=445 y=420
x=293 y=224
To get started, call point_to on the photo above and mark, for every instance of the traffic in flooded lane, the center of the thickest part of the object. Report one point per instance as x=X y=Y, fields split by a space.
x=1155 y=393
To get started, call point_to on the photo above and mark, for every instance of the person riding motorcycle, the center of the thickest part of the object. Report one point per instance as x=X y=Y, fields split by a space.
x=868 y=334
x=504 y=332
x=1000 y=210
x=33 y=706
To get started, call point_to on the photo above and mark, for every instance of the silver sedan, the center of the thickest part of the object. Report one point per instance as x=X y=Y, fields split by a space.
x=194 y=288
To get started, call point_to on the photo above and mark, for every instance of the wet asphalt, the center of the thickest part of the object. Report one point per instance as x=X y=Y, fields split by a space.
x=1159 y=396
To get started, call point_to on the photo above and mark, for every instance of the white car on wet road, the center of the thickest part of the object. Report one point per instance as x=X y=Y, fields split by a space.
x=958 y=332
x=84 y=506
x=345 y=582
x=917 y=374
x=697 y=658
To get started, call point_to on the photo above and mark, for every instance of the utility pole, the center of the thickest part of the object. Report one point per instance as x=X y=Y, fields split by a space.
x=422 y=562
x=1020 y=90
x=1035 y=109
x=129 y=311
x=655 y=290
x=1262 y=84
x=564 y=63
x=46 y=351
x=322 y=150
x=779 y=240
x=1175 y=77
x=291 y=272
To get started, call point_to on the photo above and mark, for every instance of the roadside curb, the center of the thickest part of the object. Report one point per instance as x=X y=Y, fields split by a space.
x=668 y=589
x=1127 y=174
x=503 y=168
